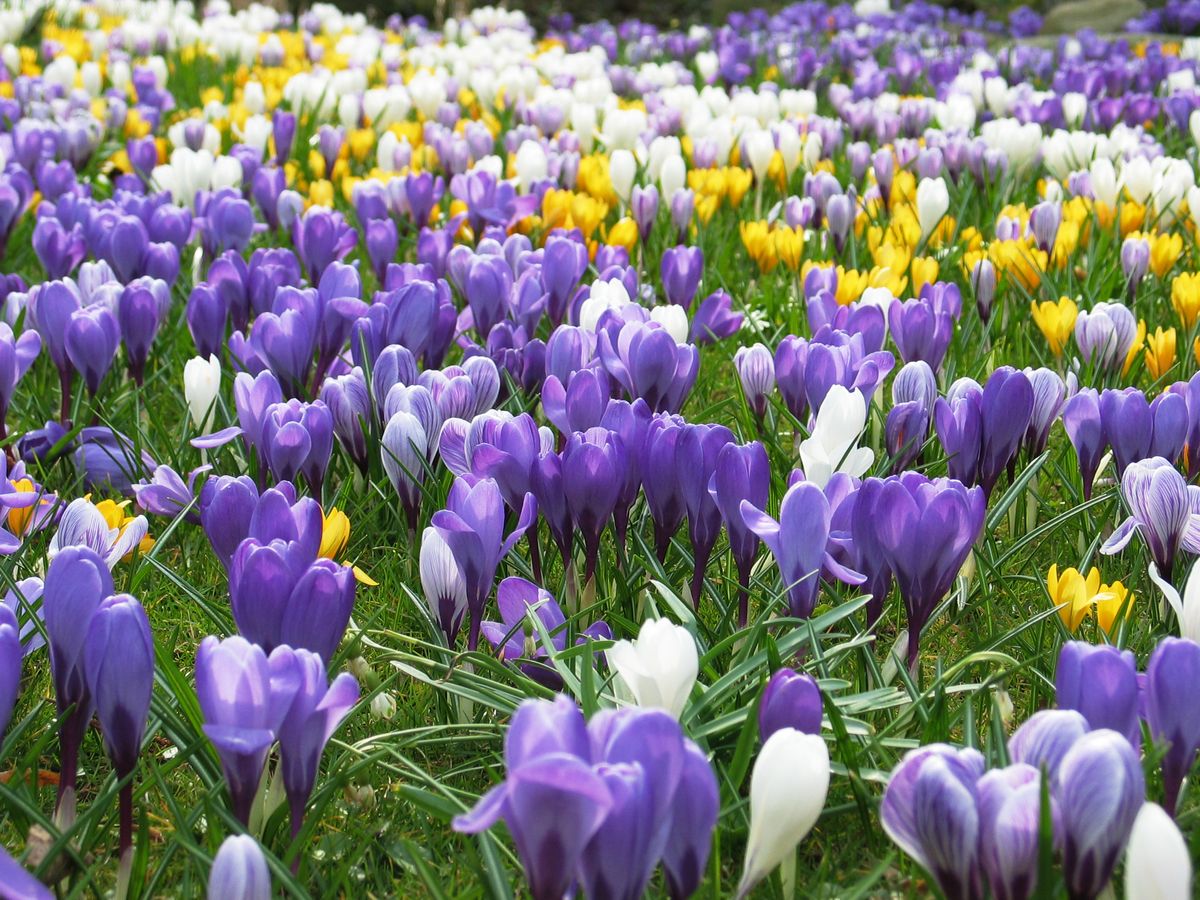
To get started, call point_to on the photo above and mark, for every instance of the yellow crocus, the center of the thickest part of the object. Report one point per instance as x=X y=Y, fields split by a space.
x=1160 y=352
x=1109 y=601
x=116 y=517
x=1165 y=250
x=335 y=533
x=924 y=271
x=1056 y=321
x=1072 y=594
x=623 y=234
x=1139 y=341
x=789 y=246
x=1185 y=297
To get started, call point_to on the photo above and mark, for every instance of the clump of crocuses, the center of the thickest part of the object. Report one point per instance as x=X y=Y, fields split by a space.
x=599 y=805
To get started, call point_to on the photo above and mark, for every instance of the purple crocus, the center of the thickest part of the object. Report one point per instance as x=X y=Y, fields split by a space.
x=11 y=654
x=516 y=641
x=681 y=269
x=318 y=708
x=921 y=330
x=1085 y=429
x=696 y=461
x=645 y=360
x=1101 y=683
x=297 y=439
x=926 y=529
x=756 y=371
x=1171 y=710
x=244 y=696
x=77 y=582
x=281 y=595
x=930 y=810
x=1162 y=508
x=1006 y=407
x=790 y=699
x=577 y=797
x=141 y=309
x=1100 y=788
x=92 y=337
x=472 y=528
x=592 y=463
x=799 y=543
x=741 y=473
x=119 y=662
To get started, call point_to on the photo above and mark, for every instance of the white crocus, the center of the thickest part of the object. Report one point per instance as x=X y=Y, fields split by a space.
x=201 y=385
x=1075 y=107
x=659 y=667
x=759 y=147
x=672 y=177
x=787 y=793
x=1187 y=607
x=1106 y=185
x=832 y=444
x=604 y=295
x=1158 y=865
x=674 y=319
x=933 y=202
x=622 y=128
x=531 y=165
x=622 y=169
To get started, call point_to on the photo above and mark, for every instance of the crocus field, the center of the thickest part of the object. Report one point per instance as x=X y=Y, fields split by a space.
x=754 y=459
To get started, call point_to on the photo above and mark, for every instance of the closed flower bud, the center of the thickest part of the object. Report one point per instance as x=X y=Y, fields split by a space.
x=787 y=793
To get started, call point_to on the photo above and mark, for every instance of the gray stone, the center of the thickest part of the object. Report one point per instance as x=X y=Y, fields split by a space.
x=1099 y=15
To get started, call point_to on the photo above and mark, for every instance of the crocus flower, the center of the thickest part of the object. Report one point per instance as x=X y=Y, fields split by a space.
x=787 y=793
x=1009 y=802
x=756 y=371
x=297 y=439
x=682 y=268
x=472 y=528
x=140 y=310
x=1171 y=714
x=592 y=463
x=92 y=338
x=1101 y=683
x=404 y=446
x=790 y=699
x=696 y=458
x=551 y=799
x=1161 y=507
x=239 y=871
x=19 y=881
x=832 y=444
x=11 y=654
x=742 y=473
x=1100 y=789
x=1083 y=424
x=166 y=494
x=1157 y=860
x=281 y=595
x=201 y=387
x=799 y=543
x=694 y=814
x=314 y=715
x=77 y=581
x=660 y=667
x=1105 y=334
x=926 y=529
x=244 y=697
x=83 y=525
x=921 y=330
x=119 y=662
